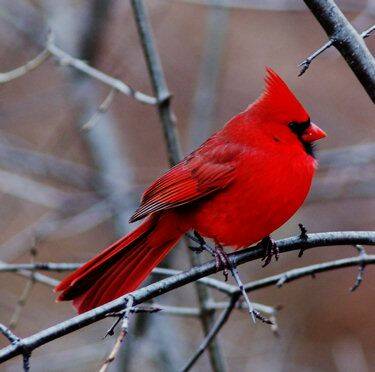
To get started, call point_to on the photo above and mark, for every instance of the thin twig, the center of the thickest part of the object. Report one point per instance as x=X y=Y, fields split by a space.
x=174 y=152
x=9 y=334
x=294 y=274
x=194 y=311
x=347 y=41
x=67 y=60
x=305 y=64
x=123 y=332
x=215 y=329
x=40 y=278
x=103 y=108
x=20 y=159
x=15 y=340
x=25 y=293
x=362 y=254
x=166 y=285
x=249 y=304
x=5 y=77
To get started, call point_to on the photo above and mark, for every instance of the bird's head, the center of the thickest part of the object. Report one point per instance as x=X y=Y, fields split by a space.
x=283 y=116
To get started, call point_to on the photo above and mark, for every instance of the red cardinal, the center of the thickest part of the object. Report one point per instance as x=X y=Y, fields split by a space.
x=239 y=186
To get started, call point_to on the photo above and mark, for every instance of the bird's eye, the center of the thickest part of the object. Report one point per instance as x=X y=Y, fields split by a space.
x=299 y=127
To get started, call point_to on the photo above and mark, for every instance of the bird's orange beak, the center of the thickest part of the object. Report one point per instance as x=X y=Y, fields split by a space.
x=313 y=133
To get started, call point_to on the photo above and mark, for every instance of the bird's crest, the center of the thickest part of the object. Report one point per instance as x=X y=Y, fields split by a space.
x=278 y=101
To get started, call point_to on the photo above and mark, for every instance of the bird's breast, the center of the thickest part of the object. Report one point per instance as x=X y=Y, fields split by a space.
x=267 y=190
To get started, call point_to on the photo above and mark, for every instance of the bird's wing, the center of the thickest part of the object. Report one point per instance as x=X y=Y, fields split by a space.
x=208 y=169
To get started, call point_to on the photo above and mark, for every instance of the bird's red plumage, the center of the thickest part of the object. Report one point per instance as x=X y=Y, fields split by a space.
x=238 y=187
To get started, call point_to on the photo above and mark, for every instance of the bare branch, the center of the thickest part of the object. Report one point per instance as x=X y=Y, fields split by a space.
x=174 y=152
x=5 y=77
x=50 y=225
x=45 y=165
x=361 y=254
x=273 y=5
x=211 y=334
x=25 y=293
x=67 y=60
x=103 y=108
x=166 y=285
x=121 y=336
x=40 y=278
x=347 y=41
x=201 y=122
x=159 y=84
x=32 y=191
x=305 y=64
x=8 y=334
x=295 y=274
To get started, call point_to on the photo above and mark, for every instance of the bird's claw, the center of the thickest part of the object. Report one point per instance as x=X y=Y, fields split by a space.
x=222 y=261
x=262 y=318
x=270 y=250
x=198 y=249
x=302 y=236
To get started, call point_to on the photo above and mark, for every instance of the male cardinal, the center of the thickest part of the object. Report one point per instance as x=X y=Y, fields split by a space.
x=239 y=186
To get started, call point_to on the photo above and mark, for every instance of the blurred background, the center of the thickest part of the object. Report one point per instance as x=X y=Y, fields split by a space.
x=70 y=175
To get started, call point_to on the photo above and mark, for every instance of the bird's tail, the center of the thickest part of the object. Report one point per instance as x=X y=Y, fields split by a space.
x=123 y=266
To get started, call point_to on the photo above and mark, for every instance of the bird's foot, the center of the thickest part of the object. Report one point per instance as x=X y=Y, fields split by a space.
x=302 y=236
x=222 y=260
x=202 y=245
x=270 y=250
x=224 y=263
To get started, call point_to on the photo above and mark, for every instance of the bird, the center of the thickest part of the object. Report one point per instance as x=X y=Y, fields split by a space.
x=240 y=185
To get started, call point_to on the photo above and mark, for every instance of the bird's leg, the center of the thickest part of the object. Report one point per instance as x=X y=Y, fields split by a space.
x=302 y=236
x=270 y=249
x=202 y=245
x=218 y=252
x=222 y=261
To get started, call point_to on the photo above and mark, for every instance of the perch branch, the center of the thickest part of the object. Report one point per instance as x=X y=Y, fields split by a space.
x=166 y=285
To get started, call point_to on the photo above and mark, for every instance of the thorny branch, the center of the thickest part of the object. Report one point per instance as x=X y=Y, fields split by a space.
x=154 y=290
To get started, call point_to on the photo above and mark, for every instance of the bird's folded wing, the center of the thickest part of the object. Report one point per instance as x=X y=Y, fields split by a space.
x=196 y=176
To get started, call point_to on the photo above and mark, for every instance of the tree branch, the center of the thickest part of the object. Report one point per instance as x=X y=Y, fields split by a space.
x=305 y=64
x=67 y=60
x=5 y=77
x=168 y=121
x=166 y=285
x=347 y=41
x=215 y=329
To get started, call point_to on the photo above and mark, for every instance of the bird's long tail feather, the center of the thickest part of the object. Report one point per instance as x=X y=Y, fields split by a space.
x=122 y=267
